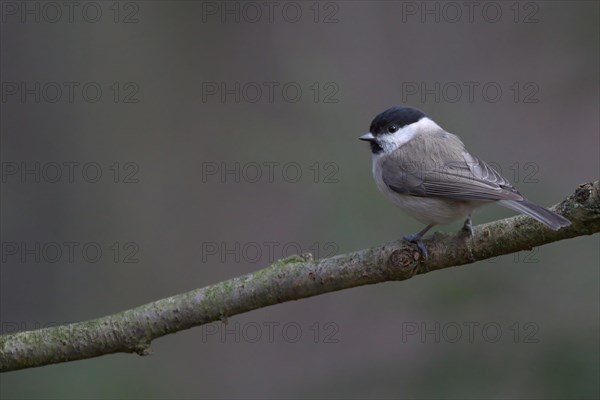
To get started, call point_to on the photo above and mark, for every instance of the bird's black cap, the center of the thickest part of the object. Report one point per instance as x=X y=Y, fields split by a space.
x=399 y=116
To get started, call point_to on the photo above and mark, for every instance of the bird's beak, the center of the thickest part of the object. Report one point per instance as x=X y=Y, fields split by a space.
x=368 y=137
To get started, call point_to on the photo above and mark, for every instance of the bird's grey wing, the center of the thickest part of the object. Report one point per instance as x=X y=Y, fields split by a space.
x=483 y=171
x=466 y=179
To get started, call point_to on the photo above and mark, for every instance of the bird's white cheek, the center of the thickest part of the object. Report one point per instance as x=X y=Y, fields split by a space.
x=391 y=142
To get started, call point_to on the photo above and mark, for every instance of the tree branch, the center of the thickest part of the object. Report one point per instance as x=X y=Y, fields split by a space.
x=293 y=278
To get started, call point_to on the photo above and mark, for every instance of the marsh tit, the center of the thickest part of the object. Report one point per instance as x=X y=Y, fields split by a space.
x=429 y=174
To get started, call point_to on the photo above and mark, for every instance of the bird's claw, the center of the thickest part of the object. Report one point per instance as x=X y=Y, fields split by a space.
x=468 y=227
x=417 y=239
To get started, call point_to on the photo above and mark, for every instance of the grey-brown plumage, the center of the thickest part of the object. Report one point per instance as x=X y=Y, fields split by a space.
x=428 y=173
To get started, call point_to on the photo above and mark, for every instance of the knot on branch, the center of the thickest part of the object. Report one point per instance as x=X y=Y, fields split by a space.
x=583 y=192
x=587 y=195
x=142 y=348
x=405 y=261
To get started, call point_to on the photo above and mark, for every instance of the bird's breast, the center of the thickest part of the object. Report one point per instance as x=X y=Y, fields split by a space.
x=427 y=210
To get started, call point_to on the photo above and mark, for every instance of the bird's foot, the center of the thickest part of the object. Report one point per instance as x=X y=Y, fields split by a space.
x=467 y=231
x=418 y=240
x=467 y=228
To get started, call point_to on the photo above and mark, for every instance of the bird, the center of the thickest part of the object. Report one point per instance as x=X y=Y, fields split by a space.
x=429 y=174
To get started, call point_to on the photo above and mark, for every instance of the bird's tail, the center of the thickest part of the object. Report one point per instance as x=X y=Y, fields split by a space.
x=545 y=216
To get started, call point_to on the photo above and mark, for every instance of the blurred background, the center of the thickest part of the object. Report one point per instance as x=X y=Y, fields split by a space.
x=152 y=147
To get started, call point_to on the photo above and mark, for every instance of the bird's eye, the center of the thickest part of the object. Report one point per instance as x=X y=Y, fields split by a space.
x=392 y=128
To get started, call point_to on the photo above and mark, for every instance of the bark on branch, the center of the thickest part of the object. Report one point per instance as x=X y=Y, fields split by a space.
x=293 y=278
